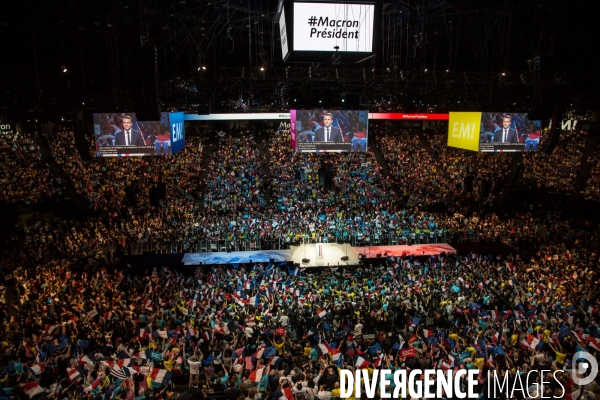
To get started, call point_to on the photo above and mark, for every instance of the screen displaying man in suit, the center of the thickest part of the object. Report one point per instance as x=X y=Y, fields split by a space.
x=129 y=136
x=328 y=133
x=506 y=134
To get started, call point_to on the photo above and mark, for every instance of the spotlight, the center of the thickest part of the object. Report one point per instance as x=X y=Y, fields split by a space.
x=262 y=68
x=504 y=74
x=343 y=100
x=425 y=69
x=64 y=69
x=447 y=70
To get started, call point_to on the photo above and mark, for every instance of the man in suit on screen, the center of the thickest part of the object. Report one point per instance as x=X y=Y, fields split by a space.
x=128 y=136
x=328 y=133
x=506 y=134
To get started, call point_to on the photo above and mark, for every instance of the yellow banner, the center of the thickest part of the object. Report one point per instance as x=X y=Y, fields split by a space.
x=464 y=130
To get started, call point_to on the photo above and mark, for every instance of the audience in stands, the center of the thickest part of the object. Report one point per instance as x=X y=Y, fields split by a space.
x=26 y=178
x=592 y=189
x=557 y=171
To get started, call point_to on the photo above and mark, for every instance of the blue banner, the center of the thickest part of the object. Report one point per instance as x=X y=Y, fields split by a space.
x=177 y=130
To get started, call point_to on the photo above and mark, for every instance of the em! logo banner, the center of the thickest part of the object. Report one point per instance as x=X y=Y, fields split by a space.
x=463 y=130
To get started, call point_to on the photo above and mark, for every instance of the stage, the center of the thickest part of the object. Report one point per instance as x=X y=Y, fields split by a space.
x=329 y=254
x=318 y=254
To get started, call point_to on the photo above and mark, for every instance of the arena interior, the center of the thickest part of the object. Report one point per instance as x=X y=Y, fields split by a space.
x=227 y=199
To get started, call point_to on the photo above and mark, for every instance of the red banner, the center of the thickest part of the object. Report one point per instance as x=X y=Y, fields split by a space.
x=409 y=117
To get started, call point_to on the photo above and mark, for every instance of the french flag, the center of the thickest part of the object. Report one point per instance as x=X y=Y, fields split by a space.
x=254 y=301
x=287 y=394
x=496 y=337
x=336 y=355
x=533 y=341
x=92 y=386
x=86 y=360
x=74 y=375
x=193 y=332
x=141 y=333
x=321 y=313
x=259 y=352
x=360 y=362
x=451 y=361
x=145 y=355
x=257 y=374
x=323 y=348
x=593 y=342
x=161 y=376
x=275 y=361
x=33 y=389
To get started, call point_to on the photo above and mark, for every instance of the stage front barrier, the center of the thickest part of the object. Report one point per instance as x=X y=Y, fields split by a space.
x=216 y=245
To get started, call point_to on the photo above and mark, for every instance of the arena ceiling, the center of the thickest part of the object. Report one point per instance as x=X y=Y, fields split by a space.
x=94 y=39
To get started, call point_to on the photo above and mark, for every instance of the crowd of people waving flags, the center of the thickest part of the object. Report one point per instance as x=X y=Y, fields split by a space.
x=267 y=331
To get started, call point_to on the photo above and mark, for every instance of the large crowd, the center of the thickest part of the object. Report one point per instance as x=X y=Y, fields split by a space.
x=79 y=328
x=264 y=331
x=229 y=203
x=416 y=171
x=489 y=170
x=592 y=188
x=557 y=171
x=117 y=190
x=25 y=178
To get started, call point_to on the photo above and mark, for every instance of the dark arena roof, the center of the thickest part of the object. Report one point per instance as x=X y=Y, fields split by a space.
x=251 y=200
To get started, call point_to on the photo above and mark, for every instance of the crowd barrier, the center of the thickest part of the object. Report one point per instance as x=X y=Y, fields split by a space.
x=224 y=245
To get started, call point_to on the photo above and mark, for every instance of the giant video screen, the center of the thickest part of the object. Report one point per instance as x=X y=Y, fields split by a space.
x=121 y=134
x=329 y=130
x=502 y=131
x=493 y=132
x=323 y=26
